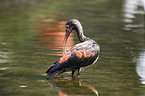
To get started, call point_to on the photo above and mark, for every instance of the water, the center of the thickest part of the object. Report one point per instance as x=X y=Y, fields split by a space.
x=31 y=34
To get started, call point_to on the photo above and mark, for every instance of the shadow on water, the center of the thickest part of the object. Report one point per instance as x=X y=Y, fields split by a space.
x=72 y=87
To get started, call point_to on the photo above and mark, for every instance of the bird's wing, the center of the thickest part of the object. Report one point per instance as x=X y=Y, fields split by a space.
x=81 y=55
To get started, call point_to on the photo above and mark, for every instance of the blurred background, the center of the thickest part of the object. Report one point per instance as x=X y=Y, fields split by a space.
x=31 y=38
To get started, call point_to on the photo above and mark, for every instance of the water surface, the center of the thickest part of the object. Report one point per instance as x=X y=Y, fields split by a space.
x=31 y=35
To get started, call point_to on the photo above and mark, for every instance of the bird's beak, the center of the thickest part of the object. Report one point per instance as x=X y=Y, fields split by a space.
x=68 y=31
x=65 y=41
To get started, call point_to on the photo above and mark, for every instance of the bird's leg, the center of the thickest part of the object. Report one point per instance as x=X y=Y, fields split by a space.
x=73 y=71
x=79 y=71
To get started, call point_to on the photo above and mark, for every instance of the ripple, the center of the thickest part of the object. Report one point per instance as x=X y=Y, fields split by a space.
x=140 y=67
x=4 y=58
x=134 y=26
x=23 y=86
x=50 y=35
x=128 y=20
x=4 y=68
x=131 y=8
x=44 y=74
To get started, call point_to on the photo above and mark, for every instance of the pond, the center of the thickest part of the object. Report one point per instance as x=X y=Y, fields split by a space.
x=31 y=38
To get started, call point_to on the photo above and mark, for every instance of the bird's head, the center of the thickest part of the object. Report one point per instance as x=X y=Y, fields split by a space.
x=71 y=25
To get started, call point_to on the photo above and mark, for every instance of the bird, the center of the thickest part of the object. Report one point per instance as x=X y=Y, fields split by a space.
x=77 y=58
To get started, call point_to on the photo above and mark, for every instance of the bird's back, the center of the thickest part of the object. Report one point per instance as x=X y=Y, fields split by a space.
x=81 y=55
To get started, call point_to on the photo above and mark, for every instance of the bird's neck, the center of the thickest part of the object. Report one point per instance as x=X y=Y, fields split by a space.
x=81 y=35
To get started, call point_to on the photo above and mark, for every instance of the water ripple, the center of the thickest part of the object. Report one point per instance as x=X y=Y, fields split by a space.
x=50 y=35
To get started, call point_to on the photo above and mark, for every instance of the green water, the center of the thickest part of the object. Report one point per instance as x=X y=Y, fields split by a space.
x=31 y=34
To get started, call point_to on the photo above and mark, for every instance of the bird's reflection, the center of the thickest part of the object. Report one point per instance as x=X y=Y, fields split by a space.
x=140 y=67
x=72 y=87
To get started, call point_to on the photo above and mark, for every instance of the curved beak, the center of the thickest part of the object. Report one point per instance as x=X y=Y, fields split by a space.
x=68 y=31
x=65 y=41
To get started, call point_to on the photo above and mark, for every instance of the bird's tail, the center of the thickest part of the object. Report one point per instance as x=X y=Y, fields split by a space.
x=48 y=70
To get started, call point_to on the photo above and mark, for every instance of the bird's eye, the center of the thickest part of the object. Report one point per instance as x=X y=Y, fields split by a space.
x=67 y=26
